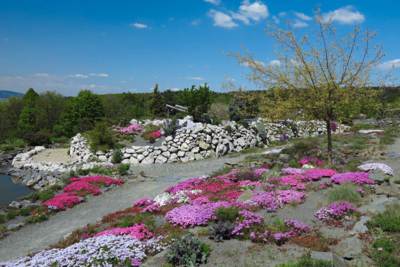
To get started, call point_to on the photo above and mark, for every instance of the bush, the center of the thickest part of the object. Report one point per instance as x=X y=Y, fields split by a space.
x=344 y=192
x=307 y=261
x=228 y=214
x=123 y=169
x=219 y=112
x=37 y=218
x=101 y=137
x=3 y=218
x=389 y=136
x=389 y=220
x=11 y=214
x=188 y=251
x=221 y=230
x=117 y=156
x=12 y=144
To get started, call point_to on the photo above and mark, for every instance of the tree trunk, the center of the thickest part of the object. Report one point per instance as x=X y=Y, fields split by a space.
x=329 y=139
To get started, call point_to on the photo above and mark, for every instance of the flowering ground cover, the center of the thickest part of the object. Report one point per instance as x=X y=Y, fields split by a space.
x=151 y=224
x=77 y=189
x=133 y=128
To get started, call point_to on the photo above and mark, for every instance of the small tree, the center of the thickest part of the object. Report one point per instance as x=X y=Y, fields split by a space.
x=315 y=77
x=157 y=102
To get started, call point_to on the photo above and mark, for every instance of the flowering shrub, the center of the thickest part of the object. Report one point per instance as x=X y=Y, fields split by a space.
x=359 y=178
x=62 y=201
x=155 y=135
x=82 y=188
x=274 y=200
x=317 y=174
x=247 y=220
x=185 y=185
x=133 y=128
x=292 y=171
x=376 y=166
x=260 y=171
x=106 y=250
x=193 y=215
x=138 y=231
x=335 y=211
x=294 y=181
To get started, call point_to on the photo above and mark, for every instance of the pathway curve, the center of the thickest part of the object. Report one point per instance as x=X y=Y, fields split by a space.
x=35 y=237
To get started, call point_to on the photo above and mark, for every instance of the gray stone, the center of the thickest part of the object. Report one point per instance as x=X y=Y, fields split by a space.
x=161 y=159
x=148 y=160
x=133 y=161
x=360 y=227
x=349 y=248
x=185 y=147
x=181 y=154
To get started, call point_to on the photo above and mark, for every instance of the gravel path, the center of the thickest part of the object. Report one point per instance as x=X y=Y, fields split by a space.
x=39 y=236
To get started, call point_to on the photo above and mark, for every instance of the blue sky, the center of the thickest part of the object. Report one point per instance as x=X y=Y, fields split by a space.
x=129 y=45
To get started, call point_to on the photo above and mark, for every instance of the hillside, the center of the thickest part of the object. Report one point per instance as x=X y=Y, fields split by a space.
x=7 y=94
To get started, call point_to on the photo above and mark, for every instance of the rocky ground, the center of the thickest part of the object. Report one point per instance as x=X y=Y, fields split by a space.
x=44 y=234
x=345 y=245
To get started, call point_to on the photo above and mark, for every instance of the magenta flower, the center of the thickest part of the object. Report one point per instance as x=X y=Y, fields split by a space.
x=317 y=174
x=358 y=178
x=335 y=211
x=138 y=231
x=62 y=201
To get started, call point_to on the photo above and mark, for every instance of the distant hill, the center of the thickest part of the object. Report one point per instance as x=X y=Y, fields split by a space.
x=4 y=94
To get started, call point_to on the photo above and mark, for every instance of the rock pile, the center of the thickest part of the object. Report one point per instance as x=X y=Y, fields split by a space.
x=79 y=150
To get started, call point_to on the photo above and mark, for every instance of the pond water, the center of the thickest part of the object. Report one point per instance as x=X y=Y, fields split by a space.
x=10 y=191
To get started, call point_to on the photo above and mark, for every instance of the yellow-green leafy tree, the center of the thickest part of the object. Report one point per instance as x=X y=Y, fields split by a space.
x=320 y=76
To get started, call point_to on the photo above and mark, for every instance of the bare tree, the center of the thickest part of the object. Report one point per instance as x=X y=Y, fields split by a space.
x=315 y=76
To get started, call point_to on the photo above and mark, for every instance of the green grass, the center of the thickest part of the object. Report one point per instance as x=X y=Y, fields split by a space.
x=386 y=252
x=389 y=220
x=12 y=144
x=123 y=169
x=145 y=218
x=307 y=261
x=344 y=192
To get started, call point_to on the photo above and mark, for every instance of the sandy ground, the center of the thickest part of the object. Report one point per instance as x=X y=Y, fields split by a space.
x=39 y=236
x=52 y=155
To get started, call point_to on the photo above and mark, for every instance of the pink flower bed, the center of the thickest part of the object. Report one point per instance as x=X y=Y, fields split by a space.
x=188 y=184
x=294 y=181
x=130 y=129
x=335 y=211
x=247 y=219
x=317 y=174
x=359 y=178
x=311 y=160
x=138 y=231
x=194 y=215
x=260 y=171
x=62 y=201
x=276 y=199
x=292 y=171
x=79 y=187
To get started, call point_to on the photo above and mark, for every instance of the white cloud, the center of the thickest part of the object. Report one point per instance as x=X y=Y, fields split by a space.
x=196 y=22
x=222 y=19
x=248 y=12
x=275 y=63
x=302 y=16
x=214 y=2
x=251 y=12
x=195 y=78
x=344 y=15
x=101 y=75
x=138 y=25
x=299 y=24
x=391 y=64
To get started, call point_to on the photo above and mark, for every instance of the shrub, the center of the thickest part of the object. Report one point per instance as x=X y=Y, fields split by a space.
x=117 y=156
x=3 y=218
x=12 y=144
x=101 y=137
x=37 y=218
x=307 y=261
x=123 y=169
x=389 y=220
x=385 y=252
x=345 y=192
x=389 y=136
x=188 y=251
x=228 y=214
x=11 y=214
x=221 y=230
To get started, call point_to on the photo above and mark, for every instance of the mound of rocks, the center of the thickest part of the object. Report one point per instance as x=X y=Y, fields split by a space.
x=79 y=150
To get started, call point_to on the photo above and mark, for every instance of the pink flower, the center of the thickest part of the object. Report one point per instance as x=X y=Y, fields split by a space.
x=156 y=134
x=247 y=220
x=130 y=129
x=317 y=174
x=336 y=211
x=260 y=171
x=359 y=178
x=292 y=171
x=138 y=231
x=62 y=201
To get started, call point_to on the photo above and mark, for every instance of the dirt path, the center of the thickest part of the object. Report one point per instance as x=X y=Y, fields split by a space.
x=39 y=236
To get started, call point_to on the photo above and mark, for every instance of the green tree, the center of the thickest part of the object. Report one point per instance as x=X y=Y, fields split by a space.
x=318 y=73
x=157 y=102
x=27 y=122
x=81 y=114
x=244 y=105
x=198 y=100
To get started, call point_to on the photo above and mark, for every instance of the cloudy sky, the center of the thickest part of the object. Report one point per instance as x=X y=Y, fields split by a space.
x=129 y=45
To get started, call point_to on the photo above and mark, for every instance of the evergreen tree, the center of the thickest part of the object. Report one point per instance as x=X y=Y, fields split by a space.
x=157 y=103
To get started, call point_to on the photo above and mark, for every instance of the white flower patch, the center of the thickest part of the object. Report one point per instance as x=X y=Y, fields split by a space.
x=163 y=199
x=179 y=197
x=95 y=251
x=376 y=166
x=308 y=166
